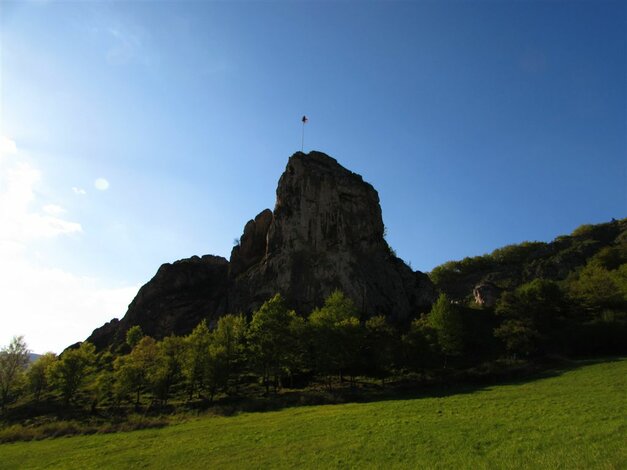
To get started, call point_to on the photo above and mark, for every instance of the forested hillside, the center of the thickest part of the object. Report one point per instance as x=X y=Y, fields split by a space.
x=560 y=260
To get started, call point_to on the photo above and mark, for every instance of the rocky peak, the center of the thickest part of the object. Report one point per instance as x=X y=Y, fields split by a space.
x=325 y=233
x=321 y=205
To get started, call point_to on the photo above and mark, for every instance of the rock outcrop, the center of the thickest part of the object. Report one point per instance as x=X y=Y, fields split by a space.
x=175 y=300
x=325 y=233
x=486 y=294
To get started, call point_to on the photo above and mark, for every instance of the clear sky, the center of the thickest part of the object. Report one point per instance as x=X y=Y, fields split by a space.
x=138 y=133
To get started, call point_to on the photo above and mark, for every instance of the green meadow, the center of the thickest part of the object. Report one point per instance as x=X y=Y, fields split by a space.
x=571 y=418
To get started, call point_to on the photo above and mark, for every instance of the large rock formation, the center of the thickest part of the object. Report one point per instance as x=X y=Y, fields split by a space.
x=325 y=233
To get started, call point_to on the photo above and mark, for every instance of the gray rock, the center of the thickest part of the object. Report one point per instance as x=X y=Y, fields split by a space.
x=486 y=294
x=325 y=233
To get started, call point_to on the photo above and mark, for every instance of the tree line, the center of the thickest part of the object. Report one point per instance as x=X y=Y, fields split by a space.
x=584 y=315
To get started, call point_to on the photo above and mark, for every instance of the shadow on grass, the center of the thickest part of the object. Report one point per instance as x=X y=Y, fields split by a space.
x=438 y=384
x=49 y=419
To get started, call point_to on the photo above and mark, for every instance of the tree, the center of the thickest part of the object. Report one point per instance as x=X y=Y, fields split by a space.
x=68 y=374
x=271 y=340
x=167 y=370
x=216 y=372
x=446 y=320
x=337 y=336
x=13 y=361
x=37 y=374
x=597 y=289
x=420 y=344
x=134 y=335
x=519 y=336
x=230 y=334
x=530 y=316
x=132 y=371
x=379 y=346
x=195 y=358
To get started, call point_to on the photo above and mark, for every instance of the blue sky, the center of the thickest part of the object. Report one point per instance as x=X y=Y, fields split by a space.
x=480 y=124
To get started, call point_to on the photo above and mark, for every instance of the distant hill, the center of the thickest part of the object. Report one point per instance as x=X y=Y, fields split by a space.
x=32 y=357
x=513 y=265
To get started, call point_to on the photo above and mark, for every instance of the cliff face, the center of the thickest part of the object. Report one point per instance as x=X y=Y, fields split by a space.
x=175 y=300
x=325 y=233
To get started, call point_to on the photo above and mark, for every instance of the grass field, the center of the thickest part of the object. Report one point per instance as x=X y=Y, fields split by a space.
x=576 y=418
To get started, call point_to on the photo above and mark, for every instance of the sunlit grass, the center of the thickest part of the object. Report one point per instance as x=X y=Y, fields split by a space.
x=576 y=419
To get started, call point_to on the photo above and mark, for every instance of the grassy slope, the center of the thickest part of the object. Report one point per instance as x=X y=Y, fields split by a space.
x=574 y=420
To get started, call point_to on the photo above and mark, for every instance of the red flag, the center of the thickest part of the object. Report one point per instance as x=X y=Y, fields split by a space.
x=304 y=119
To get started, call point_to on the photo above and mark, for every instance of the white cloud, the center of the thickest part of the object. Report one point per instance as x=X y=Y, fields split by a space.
x=101 y=184
x=53 y=209
x=7 y=146
x=78 y=191
x=53 y=308
x=18 y=223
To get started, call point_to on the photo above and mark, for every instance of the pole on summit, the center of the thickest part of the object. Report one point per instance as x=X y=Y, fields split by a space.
x=302 y=144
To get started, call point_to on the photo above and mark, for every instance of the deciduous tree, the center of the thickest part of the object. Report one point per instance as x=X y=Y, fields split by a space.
x=13 y=361
x=446 y=320
x=37 y=374
x=272 y=341
x=68 y=374
x=337 y=336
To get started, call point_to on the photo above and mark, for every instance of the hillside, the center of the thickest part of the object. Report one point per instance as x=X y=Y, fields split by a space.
x=571 y=419
x=511 y=266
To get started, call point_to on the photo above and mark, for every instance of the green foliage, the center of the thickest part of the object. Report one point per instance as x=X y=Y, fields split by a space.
x=447 y=322
x=37 y=374
x=133 y=372
x=420 y=345
x=69 y=372
x=217 y=370
x=572 y=419
x=133 y=335
x=196 y=358
x=230 y=334
x=511 y=266
x=598 y=289
x=336 y=336
x=337 y=309
x=519 y=336
x=611 y=257
x=514 y=254
x=530 y=315
x=584 y=231
x=272 y=340
x=212 y=358
x=167 y=368
x=13 y=361
x=379 y=347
